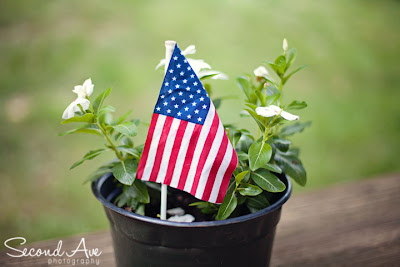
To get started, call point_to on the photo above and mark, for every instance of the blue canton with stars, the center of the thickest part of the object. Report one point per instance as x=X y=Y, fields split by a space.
x=182 y=95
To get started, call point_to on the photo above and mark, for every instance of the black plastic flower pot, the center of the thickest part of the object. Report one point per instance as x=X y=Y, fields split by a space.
x=141 y=241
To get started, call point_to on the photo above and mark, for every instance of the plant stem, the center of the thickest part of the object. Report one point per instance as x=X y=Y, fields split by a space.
x=112 y=145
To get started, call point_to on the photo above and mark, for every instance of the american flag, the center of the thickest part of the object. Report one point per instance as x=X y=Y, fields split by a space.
x=186 y=146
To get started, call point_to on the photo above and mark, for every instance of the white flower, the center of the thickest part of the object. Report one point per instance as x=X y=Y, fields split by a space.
x=190 y=50
x=285 y=45
x=199 y=66
x=73 y=107
x=183 y=218
x=262 y=72
x=83 y=91
x=273 y=110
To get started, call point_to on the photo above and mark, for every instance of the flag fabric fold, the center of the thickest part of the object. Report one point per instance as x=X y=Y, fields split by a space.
x=186 y=146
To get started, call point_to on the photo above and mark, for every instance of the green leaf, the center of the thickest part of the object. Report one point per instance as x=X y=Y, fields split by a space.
x=129 y=150
x=88 y=118
x=209 y=76
x=273 y=66
x=106 y=109
x=86 y=128
x=249 y=190
x=138 y=191
x=240 y=176
x=261 y=97
x=227 y=207
x=126 y=141
x=90 y=155
x=127 y=128
x=140 y=209
x=258 y=202
x=123 y=117
x=258 y=119
x=272 y=90
x=267 y=181
x=290 y=57
x=236 y=137
x=272 y=99
x=244 y=143
x=285 y=79
x=205 y=207
x=282 y=144
x=244 y=85
x=200 y=204
x=106 y=119
x=242 y=156
x=125 y=171
x=98 y=102
x=217 y=102
x=297 y=127
x=273 y=168
x=296 y=105
x=292 y=166
x=280 y=63
x=259 y=155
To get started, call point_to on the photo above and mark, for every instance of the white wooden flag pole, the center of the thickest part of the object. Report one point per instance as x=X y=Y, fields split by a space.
x=169 y=49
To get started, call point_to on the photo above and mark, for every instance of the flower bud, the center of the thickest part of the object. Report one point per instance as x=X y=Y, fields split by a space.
x=285 y=45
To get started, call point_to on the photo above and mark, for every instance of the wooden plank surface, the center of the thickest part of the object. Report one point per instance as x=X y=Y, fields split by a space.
x=356 y=224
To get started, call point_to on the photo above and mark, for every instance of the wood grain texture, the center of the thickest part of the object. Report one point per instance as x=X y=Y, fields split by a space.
x=357 y=224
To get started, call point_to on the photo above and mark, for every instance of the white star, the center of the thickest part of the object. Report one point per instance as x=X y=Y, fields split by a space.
x=158 y=108
x=178 y=66
x=185 y=61
x=188 y=68
x=174 y=78
x=181 y=73
x=167 y=83
x=188 y=88
x=171 y=71
x=194 y=104
x=180 y=93
x=165 y=103
x=189 y=116
x=196 y=111
x=179 y=113
x=204 y=106
x=173 y=98
x=177 y=86
x=191 y=96
x=176 y=106
x=195 y=83
x=184 y=81
x=186 y=108
x=168 y=111
x=192 y=76
x=175 y=58
x=162 y=97
x=169 y=91
x=199 y=119
x=198 y=91
x=201 y=98
x=183 y=101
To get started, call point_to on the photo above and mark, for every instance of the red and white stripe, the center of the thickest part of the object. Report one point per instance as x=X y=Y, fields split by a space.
x=198 y=159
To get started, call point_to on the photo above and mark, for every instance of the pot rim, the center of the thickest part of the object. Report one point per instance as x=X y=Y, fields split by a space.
x=96 y=185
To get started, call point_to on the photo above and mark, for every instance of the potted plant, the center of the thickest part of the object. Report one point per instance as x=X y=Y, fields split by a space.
x=237 y=232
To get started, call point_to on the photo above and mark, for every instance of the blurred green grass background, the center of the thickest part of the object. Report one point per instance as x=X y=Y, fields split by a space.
x=46 y=47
